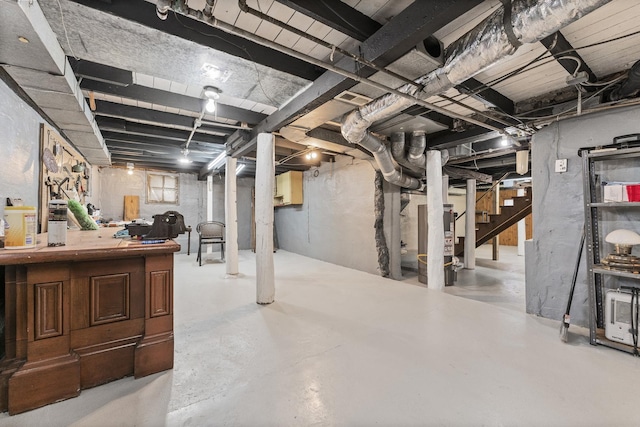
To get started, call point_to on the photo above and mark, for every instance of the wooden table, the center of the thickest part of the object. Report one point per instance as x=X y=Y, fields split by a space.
x=84 y=314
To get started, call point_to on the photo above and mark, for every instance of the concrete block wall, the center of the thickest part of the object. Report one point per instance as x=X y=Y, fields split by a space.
x=558 y=209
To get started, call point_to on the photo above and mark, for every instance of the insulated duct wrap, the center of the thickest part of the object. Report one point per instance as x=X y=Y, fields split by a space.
x=527 y=21
x=488 y=42
x=534 y=20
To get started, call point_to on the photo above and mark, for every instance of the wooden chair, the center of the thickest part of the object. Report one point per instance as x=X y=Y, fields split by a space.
x=210 y=233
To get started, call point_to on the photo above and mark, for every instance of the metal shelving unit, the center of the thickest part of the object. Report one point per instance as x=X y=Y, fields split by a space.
x=601 y=278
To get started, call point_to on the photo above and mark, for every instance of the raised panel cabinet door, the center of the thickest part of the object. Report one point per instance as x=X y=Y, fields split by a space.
x=160 y=293
x=48 y=310
x=109 y=298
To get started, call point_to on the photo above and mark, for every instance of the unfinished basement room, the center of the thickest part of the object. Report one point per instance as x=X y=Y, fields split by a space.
x=319 y=213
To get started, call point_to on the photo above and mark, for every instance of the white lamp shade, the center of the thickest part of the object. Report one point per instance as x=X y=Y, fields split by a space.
x=623 y=237
x=522 y=161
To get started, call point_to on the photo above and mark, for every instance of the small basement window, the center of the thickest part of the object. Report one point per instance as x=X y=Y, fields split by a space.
x=162 y=188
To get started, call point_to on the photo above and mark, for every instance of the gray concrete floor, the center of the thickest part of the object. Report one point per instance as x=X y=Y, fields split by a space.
x=346 y=348
x=500 y=283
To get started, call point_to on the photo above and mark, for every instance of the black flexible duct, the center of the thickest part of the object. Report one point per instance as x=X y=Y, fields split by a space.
x=630 y=87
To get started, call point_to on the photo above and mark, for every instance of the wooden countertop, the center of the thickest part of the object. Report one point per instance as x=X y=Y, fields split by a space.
x=85 y=245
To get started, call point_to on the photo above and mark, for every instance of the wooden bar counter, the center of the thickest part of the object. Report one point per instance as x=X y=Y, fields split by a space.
x=84 y=314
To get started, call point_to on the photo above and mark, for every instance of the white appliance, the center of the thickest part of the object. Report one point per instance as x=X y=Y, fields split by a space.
x=618 y=312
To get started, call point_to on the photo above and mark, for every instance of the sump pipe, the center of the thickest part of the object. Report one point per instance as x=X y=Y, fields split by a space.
x=498 y=36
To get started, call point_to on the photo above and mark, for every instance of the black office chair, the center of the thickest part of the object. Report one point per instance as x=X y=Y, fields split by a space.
x=210 y=233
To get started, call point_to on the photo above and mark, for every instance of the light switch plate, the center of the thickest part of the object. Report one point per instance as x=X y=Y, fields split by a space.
x=561 y=165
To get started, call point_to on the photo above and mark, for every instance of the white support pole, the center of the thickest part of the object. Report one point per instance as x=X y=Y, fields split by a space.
x=209 y=248
x=496 y=209
x=265 y=173
x=522 y=229
x=445 y=189
x=209 y=198
x=435 y=222
x=231 y=217
x=470 y=227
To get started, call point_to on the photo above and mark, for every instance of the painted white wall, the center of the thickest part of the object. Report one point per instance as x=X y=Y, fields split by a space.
x=19 y=149
x=335 y=222
x=115 y=183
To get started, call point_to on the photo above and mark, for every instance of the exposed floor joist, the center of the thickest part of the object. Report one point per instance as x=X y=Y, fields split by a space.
x=418 y=21
x=132 y=128
x=350 y=21
x=561 y=49
x=161 y=118
x=337 y=15
x=170 y=99
x=144 y=13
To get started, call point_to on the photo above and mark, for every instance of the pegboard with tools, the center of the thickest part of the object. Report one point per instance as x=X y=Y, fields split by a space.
x=64 y=174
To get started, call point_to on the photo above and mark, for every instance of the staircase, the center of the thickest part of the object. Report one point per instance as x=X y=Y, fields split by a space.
x=497 y=223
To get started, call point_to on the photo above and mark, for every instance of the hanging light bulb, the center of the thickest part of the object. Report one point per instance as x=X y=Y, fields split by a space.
x=211 y=93
x=314 y=154
x=210 y=106
x=130 y=168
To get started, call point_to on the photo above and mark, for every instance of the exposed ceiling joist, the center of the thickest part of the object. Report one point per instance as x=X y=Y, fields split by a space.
x=418 y=21
x=447 y=139
x=100 y=72
x=350 y=21
x=563 y=51
x=144 y=13
x=148 y=141
x=161 y=118
x=132 y=128
x=170 y=99
x=337 y=15
x=486 y=95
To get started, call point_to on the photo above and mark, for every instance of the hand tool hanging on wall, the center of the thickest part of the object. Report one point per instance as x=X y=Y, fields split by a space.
x=564 y=326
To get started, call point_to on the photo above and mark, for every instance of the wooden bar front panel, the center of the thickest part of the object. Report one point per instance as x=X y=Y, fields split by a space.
x=73 y=322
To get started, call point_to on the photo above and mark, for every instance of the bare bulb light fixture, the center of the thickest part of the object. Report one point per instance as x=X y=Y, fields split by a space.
x=211 y=94
x=210 y=106
x=185 y=156
x=311 y=155
x=130 y=168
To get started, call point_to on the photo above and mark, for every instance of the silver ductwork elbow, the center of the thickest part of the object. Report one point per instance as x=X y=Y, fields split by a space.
x=417 y=145
x=399 y=152
x=385 y=162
